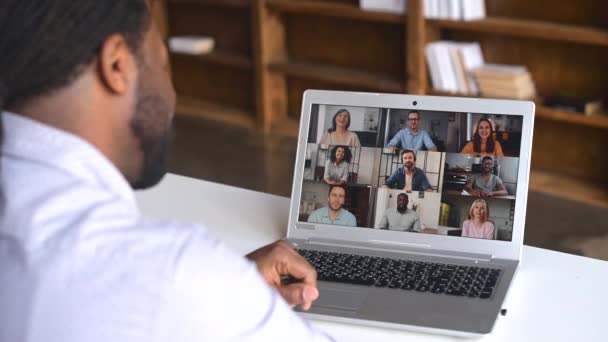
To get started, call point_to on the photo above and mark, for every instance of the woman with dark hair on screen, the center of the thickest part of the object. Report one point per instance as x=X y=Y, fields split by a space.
x=483 y=142
x=339 y=134
x=336 y=168
x=478 y=225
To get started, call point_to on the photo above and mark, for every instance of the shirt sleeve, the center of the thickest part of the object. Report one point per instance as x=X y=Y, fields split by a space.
x=425 y=183
x=384 y=221
x=345 y=173
x=489 y=234
x=416 y=224
x=498 y=149
x=392 y=179
x=498 y=181
x=465 y=228
x=396 y=141
x=218 y=295
x=313 y=218
x=356 y=141
x=352 y=221
x=428 y=142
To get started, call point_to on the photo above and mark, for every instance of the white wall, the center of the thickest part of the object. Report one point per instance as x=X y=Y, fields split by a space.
x=427 y=207
x=367 y=165
x=315 y=193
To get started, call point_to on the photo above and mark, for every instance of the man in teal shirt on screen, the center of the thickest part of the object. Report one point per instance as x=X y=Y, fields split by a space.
x=334 y=213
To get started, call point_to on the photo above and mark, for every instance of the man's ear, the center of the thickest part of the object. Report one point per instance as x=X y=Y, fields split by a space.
x=116 y=64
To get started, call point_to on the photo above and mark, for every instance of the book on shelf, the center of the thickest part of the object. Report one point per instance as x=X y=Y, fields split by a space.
x=450 y=65
x=459 y=68
x=455 y=9
x=191 y=45
x=575 y=104
x=505 y=81
x=390 y=6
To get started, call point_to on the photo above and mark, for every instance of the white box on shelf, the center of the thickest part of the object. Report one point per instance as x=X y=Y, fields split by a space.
x=392 y=6
x=192 y=45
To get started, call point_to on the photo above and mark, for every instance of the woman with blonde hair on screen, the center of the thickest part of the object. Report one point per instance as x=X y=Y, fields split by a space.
x=339 y=134
x=478 y=226
x=483 y=142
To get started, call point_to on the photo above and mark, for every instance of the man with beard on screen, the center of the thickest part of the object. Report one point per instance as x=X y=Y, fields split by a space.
x=87 y=106
x=400 y=218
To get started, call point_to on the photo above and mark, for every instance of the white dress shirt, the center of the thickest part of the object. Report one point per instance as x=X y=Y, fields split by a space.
x=78 y=263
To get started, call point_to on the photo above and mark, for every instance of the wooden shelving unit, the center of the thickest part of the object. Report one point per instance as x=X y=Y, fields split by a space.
x=270 y=51
x=529 y=29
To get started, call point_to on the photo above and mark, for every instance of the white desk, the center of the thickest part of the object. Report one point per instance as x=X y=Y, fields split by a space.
x=555 y=297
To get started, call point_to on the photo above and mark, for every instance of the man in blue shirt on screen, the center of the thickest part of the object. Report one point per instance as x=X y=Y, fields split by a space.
x=408 y=177
x=411 y=137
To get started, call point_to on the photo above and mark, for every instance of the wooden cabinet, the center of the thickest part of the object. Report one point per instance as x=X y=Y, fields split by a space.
x=269 y=51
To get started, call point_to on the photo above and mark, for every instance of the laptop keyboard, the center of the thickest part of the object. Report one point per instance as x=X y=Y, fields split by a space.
x=453 y=280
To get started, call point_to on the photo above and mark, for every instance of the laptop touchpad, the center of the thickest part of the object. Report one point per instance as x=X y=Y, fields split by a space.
x=340 y=298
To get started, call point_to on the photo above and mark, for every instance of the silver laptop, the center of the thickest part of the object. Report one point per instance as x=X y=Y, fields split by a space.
x=411 y=208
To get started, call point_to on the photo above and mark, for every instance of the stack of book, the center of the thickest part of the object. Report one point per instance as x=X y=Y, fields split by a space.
x=505 y=81
x=450 y=66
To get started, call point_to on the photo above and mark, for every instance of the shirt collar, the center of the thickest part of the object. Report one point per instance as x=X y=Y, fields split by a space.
x=409 y=132
x=32 y=140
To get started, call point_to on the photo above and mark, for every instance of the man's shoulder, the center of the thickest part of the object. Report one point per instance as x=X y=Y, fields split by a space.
x=319 y=212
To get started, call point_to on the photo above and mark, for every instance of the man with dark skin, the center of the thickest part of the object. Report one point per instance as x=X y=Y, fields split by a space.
x=88 y=101
x=486 y=184
x=400 y=218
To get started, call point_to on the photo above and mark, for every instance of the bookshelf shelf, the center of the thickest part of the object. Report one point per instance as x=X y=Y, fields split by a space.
x=221 y=57
x=529 y=29
x=569 y=187
x=598 y=121
x=194 y=107
x=340 y=10
x=340 y=75
x=242 y=4
x=544 y=112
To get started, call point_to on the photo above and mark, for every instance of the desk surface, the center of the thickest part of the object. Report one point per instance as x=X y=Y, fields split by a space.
x=555 y=296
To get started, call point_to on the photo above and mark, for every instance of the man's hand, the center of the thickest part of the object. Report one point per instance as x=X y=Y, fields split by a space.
x=279 y=259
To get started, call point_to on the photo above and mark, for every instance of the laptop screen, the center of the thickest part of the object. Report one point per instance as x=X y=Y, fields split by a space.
x=416 y=171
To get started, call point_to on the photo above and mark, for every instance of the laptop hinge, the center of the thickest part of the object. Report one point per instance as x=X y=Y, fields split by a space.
x=401 y=247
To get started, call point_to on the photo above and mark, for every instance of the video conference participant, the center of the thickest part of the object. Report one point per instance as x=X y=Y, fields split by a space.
x=339 y=134
x=478 y=226
x=400 y=218
x=411 y=137
x=337 y=166
x=485 y=184
x=408 y=177
x=334 y=213
x=483 y=141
